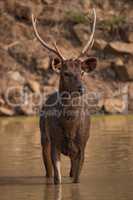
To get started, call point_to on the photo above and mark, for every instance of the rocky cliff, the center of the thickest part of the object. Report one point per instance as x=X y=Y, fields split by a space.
x=25 y=68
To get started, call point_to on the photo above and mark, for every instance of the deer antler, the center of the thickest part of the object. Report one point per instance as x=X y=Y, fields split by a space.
x=91 y=40
x=45 y=45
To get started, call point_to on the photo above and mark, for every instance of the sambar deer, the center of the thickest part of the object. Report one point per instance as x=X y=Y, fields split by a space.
x=64 y=120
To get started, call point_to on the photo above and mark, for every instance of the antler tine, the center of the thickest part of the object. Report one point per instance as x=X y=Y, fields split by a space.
x=92 y=43
x=91 y=40
x=57 y=52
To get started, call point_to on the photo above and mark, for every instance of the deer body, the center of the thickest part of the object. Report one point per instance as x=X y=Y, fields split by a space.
x=64 y=120
x=64 y=123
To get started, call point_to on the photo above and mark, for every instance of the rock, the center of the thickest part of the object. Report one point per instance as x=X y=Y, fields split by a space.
x=100 y=44
x=123 y=71
x=6 y=29
x=16 y=76
x=107 y=72
x=119 y=62
x=47 y=2
x=19 y=53
x=31 y=103
x=104 y=64
x=129 y=68
x=7 y=64
x=43 y=64
x=81 y=32
x=1 y=7
x=6 y=111
x=86 y=5
x=22 y=32
x=53 y=80
x=118 y=101
x=100 y=104
x=130 y=90
x=120 y=69
x=47 y=90
x=29 y=57
x=114 y=106
x=130 y=37
x=2 y=102
x=49 y=14
x=130 y=95
x=22 y=11
x=9 y=6
x=34 y=86
x=26 y=110
x=14 y=96
x=121 y=47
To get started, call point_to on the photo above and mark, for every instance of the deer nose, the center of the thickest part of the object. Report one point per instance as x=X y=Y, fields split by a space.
x=81 y=89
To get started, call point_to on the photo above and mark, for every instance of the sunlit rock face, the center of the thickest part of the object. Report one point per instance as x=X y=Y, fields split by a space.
x=26 y=66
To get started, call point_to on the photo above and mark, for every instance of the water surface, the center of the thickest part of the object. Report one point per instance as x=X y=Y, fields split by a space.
x=107 y=172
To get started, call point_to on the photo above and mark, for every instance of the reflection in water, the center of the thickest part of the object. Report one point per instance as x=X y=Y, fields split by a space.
x=107 y=172
x=54 y=192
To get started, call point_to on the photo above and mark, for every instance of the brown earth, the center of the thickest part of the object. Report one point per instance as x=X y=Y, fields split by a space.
x=25 y=67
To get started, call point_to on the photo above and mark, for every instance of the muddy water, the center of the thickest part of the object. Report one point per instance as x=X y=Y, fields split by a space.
x=107 y=172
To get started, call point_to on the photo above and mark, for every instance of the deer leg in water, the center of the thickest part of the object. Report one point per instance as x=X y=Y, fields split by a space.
x=72 y=167
x=46 y=152
x=55 y=155
x=77 y=166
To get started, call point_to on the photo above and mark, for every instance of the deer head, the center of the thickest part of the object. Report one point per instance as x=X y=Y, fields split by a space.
x=71 y=70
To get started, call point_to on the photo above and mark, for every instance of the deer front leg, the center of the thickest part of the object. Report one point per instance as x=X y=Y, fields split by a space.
x=72 y=167
x=46 y=152
x=77 y=166
x=55 y=155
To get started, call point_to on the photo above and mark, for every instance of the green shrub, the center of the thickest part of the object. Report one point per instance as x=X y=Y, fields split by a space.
x=75 y=17
x=114 y=22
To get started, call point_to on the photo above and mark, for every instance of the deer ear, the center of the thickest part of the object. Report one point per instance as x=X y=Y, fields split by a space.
x=56 y=65
x=89 y=64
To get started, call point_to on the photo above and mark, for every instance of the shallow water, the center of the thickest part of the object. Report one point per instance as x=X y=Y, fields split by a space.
x=107 y=172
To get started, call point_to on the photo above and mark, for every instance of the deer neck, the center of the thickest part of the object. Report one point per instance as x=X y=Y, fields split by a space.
x=69 y=102
x=66 y=96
